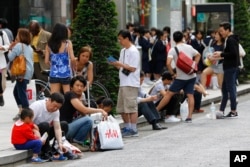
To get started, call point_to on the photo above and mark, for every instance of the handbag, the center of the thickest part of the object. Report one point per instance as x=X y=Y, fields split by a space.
x=110 y=134
x=185 y=63
x=31 y=91
x=18 y=65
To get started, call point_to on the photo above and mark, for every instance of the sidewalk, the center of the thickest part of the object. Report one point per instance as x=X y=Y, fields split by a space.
x=10 y=157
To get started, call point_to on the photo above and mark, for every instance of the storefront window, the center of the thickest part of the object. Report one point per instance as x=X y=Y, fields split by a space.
x=39 y=10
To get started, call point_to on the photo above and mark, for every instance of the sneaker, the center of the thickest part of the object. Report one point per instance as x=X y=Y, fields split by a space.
x=126 y=132
x=17 y=117
x=219 y=115
x=172 y=118
x=134 y=133
x=1 y=100
x=232 y=115
x=188 y=120
x=71 y=156
x=59 y=157
x=37 y=160
x=81 y=147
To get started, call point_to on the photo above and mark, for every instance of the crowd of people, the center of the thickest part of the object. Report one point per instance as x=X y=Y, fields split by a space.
x=64 y=115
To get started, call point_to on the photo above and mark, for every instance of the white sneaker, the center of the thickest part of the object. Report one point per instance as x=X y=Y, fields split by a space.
x=172 y=118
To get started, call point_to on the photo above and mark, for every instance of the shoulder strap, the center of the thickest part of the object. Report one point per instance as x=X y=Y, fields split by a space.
x=22 y=49
x=210 y=42
x=177 y=51
x=66 y=46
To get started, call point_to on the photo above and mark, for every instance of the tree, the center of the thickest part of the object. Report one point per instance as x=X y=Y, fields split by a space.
x=96 y=25
x=241 y=25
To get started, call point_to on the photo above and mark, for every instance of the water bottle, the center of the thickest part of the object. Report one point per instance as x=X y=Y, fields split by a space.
x=213 y=110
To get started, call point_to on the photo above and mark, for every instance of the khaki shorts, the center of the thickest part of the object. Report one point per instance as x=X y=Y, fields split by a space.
x=4 y=72
x=126 y=101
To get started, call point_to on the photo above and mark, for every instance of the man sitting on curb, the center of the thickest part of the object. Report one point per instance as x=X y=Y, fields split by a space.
x=160 y=89
x=147 y=108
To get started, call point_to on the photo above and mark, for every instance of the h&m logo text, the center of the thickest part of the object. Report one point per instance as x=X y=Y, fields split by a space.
x=111 y=133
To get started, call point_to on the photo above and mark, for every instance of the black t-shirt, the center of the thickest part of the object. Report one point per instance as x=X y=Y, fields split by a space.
x=67 y=110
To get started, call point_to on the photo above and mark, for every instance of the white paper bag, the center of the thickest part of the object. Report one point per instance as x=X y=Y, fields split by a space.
x=31 y=91
x=184 y=110
x=110 y=134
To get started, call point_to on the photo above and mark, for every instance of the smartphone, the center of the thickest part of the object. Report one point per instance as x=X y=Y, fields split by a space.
x=111 y=59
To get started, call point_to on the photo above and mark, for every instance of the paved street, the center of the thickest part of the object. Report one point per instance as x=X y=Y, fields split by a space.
x=203 y=143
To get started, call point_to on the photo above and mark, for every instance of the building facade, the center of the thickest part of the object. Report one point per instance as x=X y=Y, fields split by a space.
x=148 y=13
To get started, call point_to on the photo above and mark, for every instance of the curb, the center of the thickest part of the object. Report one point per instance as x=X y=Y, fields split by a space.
x=11 y=157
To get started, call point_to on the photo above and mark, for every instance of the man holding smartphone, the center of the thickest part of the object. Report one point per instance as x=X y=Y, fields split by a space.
x=129 y=74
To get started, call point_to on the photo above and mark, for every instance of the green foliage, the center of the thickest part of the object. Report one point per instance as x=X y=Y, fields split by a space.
x=241 y=27
x=96 y=25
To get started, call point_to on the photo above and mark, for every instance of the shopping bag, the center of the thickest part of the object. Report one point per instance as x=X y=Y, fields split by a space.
x=66 y=144
x=185 y=63
x=184 y=110
x=110 y=134
x=31 y=91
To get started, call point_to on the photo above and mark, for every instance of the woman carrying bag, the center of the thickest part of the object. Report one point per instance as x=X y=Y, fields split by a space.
x=22 y=46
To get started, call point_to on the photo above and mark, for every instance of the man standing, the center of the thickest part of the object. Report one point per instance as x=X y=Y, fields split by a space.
x=129 y=74
x=39 y=41
x=182 y=80
x=230 y=65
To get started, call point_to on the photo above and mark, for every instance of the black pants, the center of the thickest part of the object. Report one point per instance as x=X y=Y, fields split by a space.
x=197 y=100
x=173 y=107
x=148 y=110
x=1 y=87
x=45 y=127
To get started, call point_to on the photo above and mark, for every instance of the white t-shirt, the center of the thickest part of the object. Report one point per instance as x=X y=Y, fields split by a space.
x=159 y=86
x=41 y=113
x=130 y=56
x=189 y=51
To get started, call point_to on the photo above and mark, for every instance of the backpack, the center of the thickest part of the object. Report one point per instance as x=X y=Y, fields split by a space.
x=18 y=65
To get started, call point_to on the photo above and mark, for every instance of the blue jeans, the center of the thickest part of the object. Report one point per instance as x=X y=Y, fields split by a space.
x=79 y=129
x=35 y=145
x=229 y=88
x=20 y=93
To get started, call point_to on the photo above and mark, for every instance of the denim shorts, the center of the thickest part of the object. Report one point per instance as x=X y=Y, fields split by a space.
x=63 y=81
x=186 y=85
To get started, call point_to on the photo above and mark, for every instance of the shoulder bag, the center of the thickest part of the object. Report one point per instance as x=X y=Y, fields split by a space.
x=185 y=63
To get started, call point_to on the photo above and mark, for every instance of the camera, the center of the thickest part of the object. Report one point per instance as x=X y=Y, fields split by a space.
x=126 y=72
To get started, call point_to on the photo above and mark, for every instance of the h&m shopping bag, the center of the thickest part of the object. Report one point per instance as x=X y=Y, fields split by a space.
x=31 y=91
x=110 y=134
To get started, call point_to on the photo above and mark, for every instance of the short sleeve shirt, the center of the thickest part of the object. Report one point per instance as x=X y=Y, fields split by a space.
x=131 y=57
x=189 y=51
x=67 y=110
x=41 y=114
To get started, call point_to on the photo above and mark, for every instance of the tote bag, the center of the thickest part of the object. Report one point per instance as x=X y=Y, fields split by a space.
x=110 y=134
